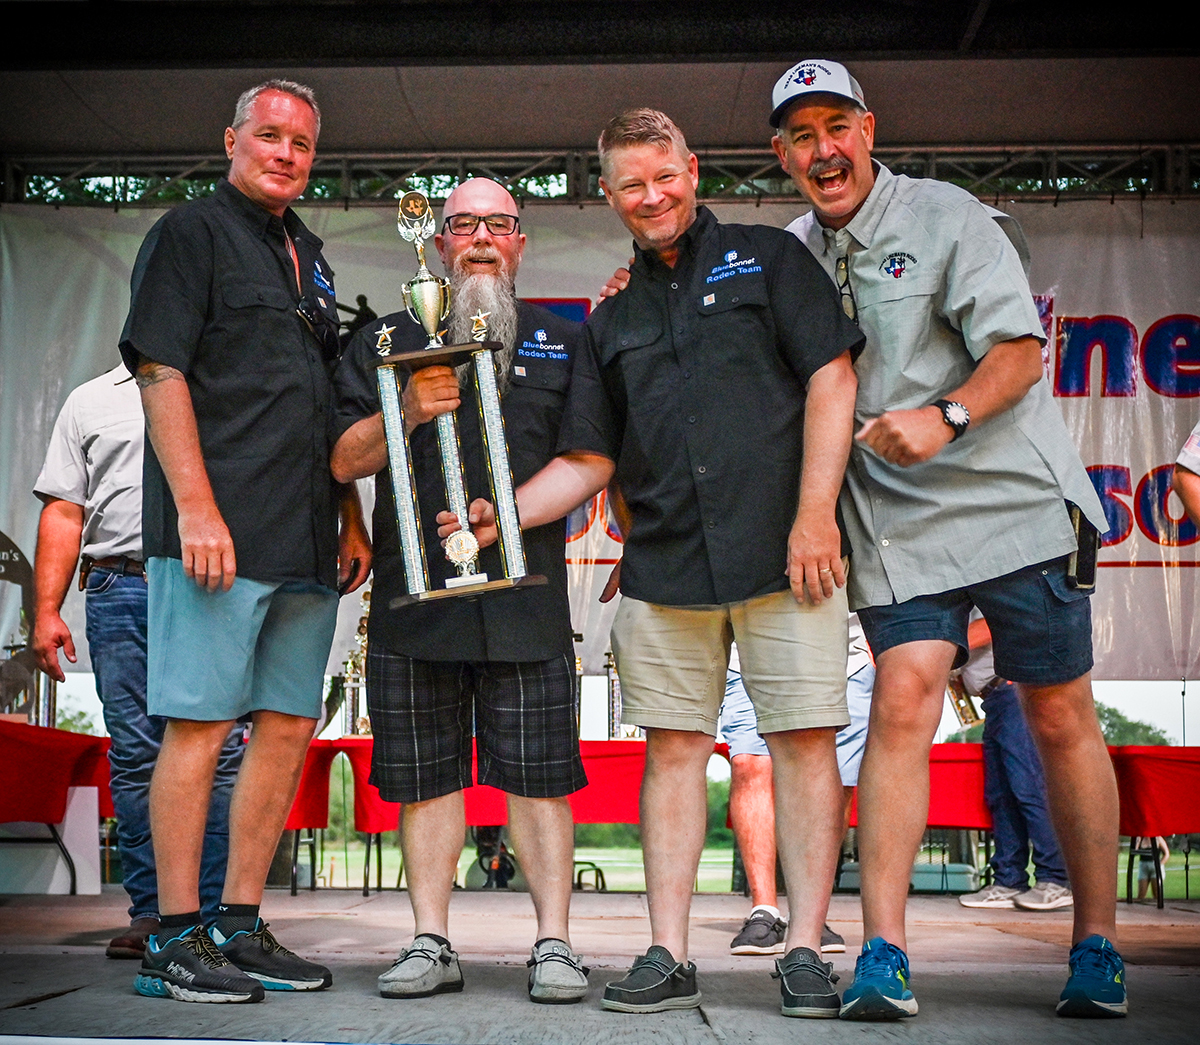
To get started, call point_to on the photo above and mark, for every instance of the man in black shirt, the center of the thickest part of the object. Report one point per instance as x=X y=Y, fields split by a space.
x=720 y=387
x=231 y=326
x=502 y=662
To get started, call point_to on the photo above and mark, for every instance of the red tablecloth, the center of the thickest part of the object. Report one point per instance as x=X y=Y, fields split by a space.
x=38 y=765
x=1159 y=788
x=955 y=789
x=311 y=807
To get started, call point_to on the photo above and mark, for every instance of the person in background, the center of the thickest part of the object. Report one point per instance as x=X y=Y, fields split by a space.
x=91 y=489
x=1185 y=480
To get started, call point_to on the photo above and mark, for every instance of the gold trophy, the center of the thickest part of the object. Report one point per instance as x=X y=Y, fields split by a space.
x=427 y=301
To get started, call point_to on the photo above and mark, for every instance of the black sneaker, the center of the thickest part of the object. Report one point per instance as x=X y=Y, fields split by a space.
x=260 y=955
x=807 y=985
x=189 y=967
x=655 y=983
x=831 y=942
x=762 y=933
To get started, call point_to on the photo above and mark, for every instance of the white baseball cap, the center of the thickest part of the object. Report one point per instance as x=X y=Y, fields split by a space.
x=811 y=76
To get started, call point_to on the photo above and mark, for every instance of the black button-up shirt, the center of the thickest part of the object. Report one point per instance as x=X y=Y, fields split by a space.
x=525 y=624
x=694 y=382
x=214 y=296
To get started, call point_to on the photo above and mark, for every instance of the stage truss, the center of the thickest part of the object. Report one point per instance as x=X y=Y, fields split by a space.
x=1050 y=173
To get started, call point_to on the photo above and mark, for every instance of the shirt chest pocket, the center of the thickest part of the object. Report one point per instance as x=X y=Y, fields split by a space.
x=261 y=325
x=641 y=333
x=738 y=292
x=882 y=286
x=552 y=375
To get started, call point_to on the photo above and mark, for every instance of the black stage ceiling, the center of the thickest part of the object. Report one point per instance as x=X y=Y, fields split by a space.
x=135 y=77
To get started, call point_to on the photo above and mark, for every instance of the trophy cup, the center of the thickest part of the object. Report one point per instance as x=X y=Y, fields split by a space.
x=427 y=301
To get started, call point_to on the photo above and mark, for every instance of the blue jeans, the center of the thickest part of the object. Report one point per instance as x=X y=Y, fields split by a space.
x=1014 y=788
x=116 y=634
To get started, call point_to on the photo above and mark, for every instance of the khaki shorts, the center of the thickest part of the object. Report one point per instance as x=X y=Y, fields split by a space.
x=671 y=661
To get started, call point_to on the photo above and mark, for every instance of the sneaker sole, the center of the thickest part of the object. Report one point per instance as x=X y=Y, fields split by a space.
x=557 y=995
x=875 y=1006
x=429 y=992
x=749 y=948
x=833 y=948
x=1087 y=1008
x=156 y=987
x=690 y=1001
x=1065 y=902
x=1002 y=905
x=813 y=1012
x=273 y=984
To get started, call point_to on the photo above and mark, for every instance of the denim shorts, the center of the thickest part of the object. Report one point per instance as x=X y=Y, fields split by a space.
x=219 y=655
x=1041 y=627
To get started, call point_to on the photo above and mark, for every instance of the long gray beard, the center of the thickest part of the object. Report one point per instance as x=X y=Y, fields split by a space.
x=494 y=295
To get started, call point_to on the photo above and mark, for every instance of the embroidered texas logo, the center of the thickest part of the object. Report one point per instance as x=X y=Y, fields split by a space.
x=897 y=263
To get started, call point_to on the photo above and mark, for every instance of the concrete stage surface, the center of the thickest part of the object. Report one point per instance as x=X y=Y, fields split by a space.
x=979 y=976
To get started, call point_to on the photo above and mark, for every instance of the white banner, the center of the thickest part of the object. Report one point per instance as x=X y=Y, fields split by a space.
x=1119 y=282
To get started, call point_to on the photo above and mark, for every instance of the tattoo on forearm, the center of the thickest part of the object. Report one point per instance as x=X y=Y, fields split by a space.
x=151 y=373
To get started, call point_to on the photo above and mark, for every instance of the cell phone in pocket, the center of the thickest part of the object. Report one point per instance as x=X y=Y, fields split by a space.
x=1081 y=566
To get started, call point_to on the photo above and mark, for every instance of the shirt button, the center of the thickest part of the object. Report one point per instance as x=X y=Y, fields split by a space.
x=885 y=542
x=691 y=420
x=687 y=374
x=712 y=525
x=674 y=286
x=702 y=469
x=736 y=300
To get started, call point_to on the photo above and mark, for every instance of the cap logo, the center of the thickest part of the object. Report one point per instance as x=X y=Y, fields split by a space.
x=806 y=75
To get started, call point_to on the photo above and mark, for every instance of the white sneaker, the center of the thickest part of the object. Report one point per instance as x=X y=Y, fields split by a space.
x=557 y=974
x=1045 y=896
x=426 y=967
x=990 y=896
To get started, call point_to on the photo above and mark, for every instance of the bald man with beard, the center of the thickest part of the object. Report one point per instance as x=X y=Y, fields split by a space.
x=503 y=663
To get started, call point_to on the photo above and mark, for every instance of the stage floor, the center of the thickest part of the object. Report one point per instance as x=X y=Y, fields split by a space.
x=980 y=976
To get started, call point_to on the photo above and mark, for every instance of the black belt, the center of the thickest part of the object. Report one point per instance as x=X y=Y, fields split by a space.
x=991 y=687
x=113 y=564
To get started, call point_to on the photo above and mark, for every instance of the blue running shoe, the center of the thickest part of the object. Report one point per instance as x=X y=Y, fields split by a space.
x=1096 y=986
x=880 y=988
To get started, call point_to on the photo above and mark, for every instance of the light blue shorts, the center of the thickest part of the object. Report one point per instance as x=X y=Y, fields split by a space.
x=738 y=727
x=216 y=656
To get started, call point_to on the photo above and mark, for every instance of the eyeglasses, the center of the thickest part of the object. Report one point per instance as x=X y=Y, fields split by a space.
x=466 y=224
x=844 y=289
x=324 y=329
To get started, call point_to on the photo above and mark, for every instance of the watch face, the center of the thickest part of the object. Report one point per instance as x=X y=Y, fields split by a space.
x=957 y=415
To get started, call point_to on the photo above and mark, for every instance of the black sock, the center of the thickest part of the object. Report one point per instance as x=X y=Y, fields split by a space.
x=236 y=918
x=173 y=924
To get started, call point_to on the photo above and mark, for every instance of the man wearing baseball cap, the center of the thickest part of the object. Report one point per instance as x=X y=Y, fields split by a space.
x=959 y=493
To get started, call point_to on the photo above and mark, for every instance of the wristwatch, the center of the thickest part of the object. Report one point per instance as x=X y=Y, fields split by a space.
x=955 y=415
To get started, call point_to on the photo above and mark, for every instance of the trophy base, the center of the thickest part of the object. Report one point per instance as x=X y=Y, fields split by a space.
x=530 y=580
x=444 y=355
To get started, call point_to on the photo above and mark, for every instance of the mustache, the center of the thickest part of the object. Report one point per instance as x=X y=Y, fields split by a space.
x=835 y=163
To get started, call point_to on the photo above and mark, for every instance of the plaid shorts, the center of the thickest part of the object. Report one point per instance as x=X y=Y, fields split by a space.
x=525 y=720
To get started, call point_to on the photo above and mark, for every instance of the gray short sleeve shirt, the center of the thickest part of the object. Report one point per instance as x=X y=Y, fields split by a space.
x=937 y=283
x=95 y=460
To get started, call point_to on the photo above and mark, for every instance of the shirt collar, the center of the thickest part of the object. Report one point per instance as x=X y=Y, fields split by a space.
x=259 y=218
x=865 y=223
x=705 y=220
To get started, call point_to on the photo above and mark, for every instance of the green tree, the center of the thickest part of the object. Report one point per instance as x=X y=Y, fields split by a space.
x=1118 y=729
x=76 y=722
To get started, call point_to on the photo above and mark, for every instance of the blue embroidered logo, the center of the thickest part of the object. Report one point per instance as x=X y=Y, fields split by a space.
x=896 y=264
x=734 y=266
x=539 y=349
x=320 y=279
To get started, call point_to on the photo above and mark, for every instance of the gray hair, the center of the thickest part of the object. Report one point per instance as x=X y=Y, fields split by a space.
x=241 y=112
x=640 y=127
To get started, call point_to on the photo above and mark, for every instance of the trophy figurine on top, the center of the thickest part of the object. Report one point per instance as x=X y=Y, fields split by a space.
x=427 y=301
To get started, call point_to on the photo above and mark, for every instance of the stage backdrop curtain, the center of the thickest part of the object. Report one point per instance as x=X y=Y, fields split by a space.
x=1117 y=283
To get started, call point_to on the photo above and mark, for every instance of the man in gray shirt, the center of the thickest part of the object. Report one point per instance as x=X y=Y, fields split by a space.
x=955 y=497
x=91 y=486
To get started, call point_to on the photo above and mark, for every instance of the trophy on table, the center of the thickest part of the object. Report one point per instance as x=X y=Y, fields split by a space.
x=427 y=301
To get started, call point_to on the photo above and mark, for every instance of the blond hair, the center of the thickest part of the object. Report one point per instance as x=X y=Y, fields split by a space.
x=640 y=127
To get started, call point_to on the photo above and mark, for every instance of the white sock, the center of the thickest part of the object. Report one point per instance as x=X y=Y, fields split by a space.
x=772 y=911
